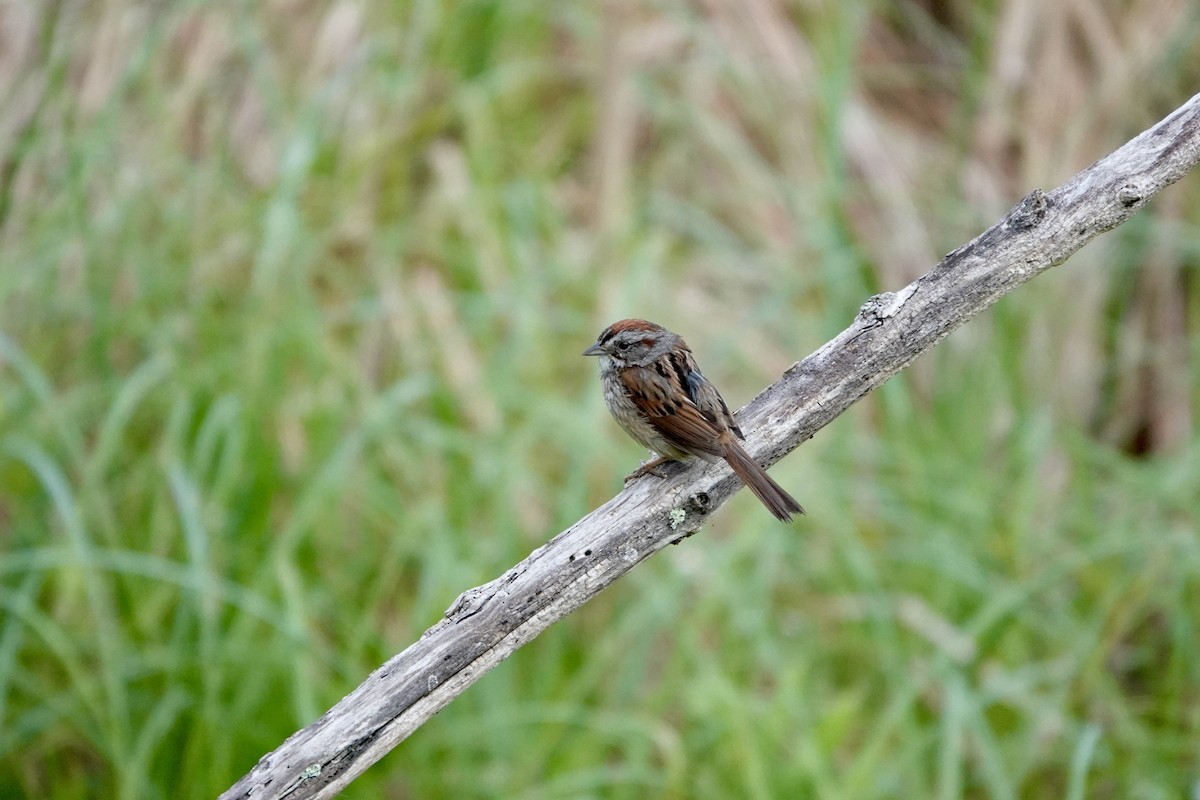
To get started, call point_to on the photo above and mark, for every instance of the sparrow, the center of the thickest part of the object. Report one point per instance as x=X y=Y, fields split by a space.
x=656 y=392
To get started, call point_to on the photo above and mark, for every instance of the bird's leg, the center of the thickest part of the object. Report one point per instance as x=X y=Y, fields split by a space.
x=650 y=467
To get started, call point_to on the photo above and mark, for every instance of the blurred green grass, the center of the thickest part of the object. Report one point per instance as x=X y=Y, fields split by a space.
x=291 y=299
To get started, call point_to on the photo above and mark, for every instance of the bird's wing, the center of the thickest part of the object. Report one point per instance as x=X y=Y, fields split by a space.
x=706 y=397
x=667 y=405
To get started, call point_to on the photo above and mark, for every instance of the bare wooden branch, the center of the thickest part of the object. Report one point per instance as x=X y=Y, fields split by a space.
x=487 y=623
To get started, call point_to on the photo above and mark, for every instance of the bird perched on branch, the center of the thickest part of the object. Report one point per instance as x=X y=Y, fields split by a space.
x=655 y=391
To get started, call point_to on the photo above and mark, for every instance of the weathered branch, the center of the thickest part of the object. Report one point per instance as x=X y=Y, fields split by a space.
x=489 y=622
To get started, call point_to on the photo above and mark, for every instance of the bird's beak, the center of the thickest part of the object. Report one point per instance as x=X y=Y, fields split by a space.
x=594 y=350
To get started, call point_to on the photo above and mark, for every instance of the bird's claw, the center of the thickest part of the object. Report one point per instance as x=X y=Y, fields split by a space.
x=650 y=467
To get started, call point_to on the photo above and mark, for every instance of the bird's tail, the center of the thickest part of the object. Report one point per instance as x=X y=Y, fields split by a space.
x=772 y=495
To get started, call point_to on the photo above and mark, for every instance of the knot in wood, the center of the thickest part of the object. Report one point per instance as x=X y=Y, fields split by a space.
x=1030 y=212
x=1129 y=195
x=872 y=312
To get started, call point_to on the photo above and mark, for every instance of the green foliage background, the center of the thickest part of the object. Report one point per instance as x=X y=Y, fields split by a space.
x=291 y=300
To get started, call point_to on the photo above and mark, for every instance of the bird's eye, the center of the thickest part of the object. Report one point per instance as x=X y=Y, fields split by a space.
x=622 y=346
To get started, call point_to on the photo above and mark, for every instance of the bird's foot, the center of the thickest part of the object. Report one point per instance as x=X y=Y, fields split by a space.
x=651 y=467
